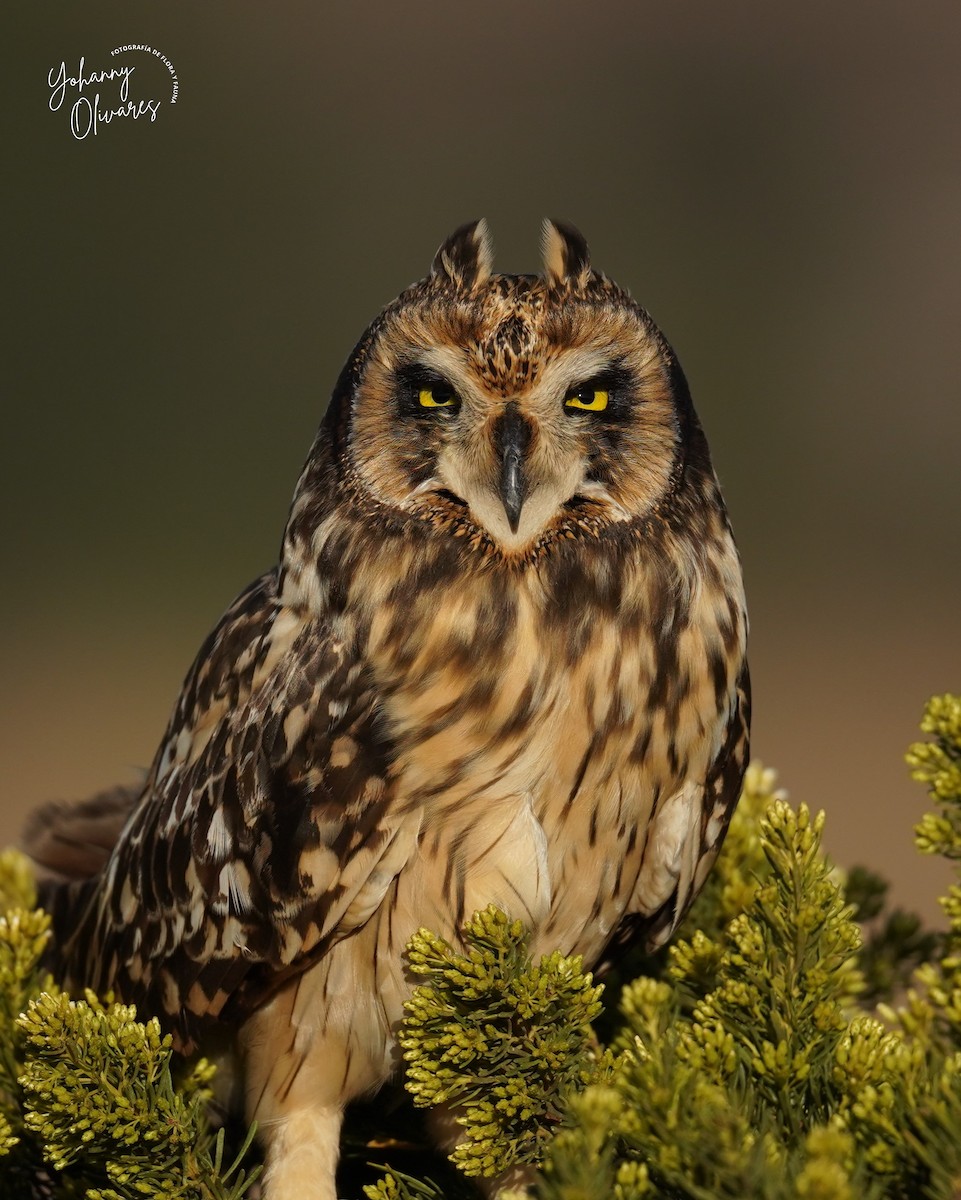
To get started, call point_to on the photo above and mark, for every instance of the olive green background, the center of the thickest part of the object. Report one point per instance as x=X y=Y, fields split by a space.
x=780 y=186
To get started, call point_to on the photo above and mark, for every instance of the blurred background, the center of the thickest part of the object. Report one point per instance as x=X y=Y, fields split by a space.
x=780 y=187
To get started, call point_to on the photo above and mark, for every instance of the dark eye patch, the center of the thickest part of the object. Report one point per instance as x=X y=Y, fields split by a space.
x=413 y=381
x=605 y=430
x=618 y=384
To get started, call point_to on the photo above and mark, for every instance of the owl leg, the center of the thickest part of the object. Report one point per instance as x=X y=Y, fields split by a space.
x=312 y=1048
x=302 y=1153
x=298 y=1122
x=295 y=1095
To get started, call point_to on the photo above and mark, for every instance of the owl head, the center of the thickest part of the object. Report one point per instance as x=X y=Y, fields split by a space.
x=511 y=411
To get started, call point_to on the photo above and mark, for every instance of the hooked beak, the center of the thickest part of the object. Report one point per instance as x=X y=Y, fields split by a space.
x=512 y=438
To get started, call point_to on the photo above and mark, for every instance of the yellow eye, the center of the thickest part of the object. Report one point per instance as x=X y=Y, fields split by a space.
x=436 y=397
x=590 y=399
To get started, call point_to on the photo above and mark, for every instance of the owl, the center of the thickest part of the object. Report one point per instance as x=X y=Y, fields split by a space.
x=500 y=661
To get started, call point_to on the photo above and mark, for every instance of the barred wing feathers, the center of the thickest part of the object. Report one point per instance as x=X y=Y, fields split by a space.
x=264 y=832
x=688 y=832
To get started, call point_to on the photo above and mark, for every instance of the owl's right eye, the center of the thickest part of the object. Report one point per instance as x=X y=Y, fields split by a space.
x=425 y=393
x=436 y=396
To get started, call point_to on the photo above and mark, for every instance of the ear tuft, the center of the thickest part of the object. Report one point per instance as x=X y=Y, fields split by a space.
x=467 y=256
x=567 y=260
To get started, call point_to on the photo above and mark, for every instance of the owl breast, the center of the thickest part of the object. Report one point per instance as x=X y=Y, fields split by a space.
x=552 y=749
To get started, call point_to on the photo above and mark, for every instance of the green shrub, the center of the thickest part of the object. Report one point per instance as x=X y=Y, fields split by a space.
x=797 y=1040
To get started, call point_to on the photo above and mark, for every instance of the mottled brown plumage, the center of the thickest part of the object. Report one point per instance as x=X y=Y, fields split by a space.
x=502 y=659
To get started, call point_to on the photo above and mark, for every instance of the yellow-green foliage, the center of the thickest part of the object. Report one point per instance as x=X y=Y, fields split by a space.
x=89 y=1106
x=771 y=991
x=933 y=1008
x=23 y=936
x=17 y=887
x=500 y=1036
x=938 y=764
x=747 y=1063
x=398 y=1186
x=747 y=1067
x=98 y=1093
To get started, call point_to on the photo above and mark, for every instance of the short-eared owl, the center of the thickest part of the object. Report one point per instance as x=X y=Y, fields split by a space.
x=501 y=660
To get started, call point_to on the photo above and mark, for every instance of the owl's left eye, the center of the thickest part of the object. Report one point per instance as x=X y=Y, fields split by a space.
x=436 y=396
x=589 y=399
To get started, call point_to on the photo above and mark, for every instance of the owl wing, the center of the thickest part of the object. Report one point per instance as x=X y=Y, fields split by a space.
x=264 y=831
x=685 y=838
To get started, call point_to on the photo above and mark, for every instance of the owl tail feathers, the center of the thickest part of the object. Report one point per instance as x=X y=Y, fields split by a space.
x=72 y=841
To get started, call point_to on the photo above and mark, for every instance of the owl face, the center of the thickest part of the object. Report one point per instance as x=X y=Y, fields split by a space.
x=515 y=410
